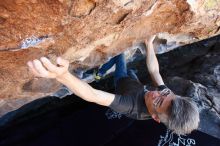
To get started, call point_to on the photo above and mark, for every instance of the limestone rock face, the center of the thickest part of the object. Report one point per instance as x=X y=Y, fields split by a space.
x=87 y=33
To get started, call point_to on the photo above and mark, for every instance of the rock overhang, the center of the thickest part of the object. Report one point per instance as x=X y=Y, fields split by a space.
x=87 y=33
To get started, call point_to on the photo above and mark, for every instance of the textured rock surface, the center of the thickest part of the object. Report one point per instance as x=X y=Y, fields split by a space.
x=195 y=76
x=87 y=32
x=199 y=79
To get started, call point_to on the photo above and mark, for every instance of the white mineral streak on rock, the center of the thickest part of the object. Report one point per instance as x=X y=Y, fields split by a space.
x=38 y=42
x=152 y=8
x=129 y=4
x=193 y=4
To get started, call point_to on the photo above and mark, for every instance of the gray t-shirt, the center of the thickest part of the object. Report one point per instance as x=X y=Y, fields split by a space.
x=129 y=99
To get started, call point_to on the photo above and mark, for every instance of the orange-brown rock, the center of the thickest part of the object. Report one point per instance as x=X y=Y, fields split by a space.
x=86 y=32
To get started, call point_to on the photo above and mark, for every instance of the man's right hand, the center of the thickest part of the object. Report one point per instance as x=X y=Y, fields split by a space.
x=44 y=68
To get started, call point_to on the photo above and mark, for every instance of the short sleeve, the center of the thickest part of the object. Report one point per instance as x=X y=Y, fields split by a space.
x=122 y=104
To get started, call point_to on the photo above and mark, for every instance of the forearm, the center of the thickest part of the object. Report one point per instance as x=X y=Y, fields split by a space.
x=153 y=65
x=44 y=68
x=85 y=91
x=76 y=86
x=157 y=79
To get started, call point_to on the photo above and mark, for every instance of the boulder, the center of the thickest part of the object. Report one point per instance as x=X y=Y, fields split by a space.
x=87 y=33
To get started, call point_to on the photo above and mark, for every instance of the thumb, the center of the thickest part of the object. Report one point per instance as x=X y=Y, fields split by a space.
x=62 y=62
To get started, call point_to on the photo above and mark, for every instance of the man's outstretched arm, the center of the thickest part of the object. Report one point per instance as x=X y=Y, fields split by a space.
x=152 y=63
x=44 y=68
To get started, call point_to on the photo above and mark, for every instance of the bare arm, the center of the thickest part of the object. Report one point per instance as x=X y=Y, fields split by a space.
x=152 y=63
x=44 y=68
x=85 y=91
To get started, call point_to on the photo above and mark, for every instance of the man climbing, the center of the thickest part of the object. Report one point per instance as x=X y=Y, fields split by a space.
x=179 y=114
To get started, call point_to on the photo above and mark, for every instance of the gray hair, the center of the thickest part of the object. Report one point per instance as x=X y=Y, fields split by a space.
x=182 y=116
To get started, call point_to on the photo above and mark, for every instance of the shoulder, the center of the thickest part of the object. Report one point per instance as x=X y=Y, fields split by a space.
x=128 y=86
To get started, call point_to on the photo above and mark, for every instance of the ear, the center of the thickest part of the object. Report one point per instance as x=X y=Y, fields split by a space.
x=156 y=118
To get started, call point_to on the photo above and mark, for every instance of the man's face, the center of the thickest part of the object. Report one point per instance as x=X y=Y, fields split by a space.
x=157 y=102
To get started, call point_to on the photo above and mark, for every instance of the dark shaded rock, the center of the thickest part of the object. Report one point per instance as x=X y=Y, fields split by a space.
x=187 y=88
x=193 y=71
x=200 y=81
x=39 y=107
x=210 y=122
x=209 y=116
